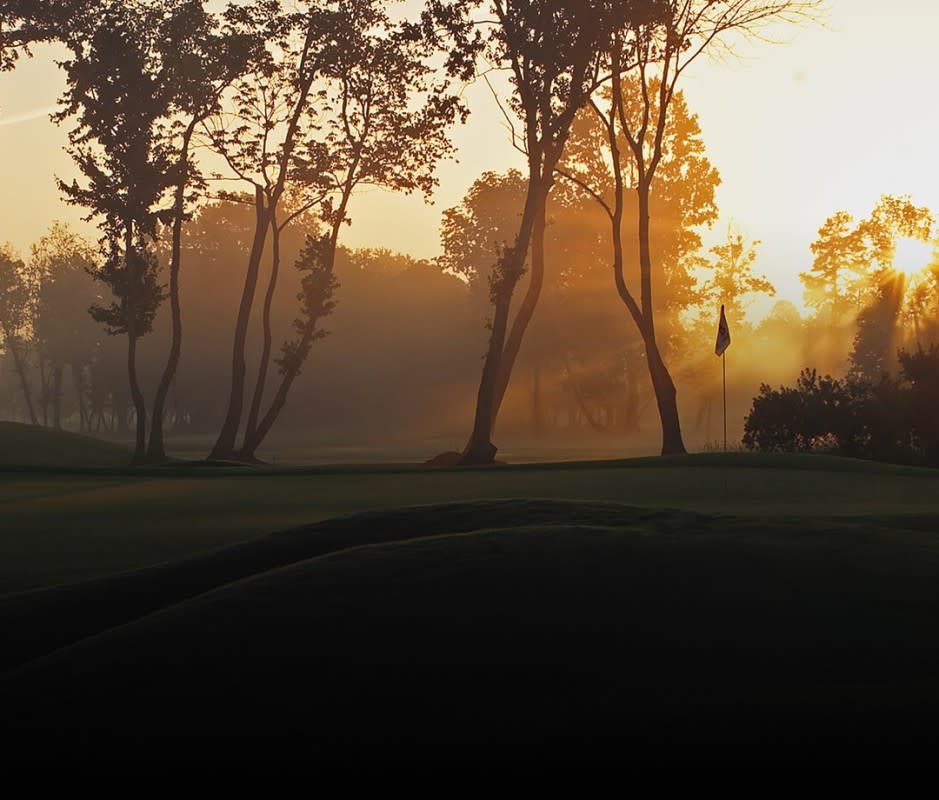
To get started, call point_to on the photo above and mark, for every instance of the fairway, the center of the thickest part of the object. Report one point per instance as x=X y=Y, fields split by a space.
x=60 y=526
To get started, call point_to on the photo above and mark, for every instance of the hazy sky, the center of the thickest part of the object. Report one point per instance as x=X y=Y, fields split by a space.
x=830 y=119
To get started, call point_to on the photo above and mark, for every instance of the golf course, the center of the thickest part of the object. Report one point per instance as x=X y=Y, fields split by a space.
x=782 y=606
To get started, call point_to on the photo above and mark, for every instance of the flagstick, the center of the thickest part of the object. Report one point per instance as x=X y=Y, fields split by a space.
x=724 y=370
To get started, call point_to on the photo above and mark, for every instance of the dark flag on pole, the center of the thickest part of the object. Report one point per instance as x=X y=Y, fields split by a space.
x=723 y=335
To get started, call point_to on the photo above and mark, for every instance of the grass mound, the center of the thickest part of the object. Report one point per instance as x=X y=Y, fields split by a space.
x=507 y=622
x=35 y=623
x=35 y=446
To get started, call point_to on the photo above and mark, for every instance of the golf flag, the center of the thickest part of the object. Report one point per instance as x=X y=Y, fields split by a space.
x=723 y=335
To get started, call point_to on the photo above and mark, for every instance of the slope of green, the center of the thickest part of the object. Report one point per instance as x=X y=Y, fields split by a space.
x=62 y=527
x=660 y=630
x=36 y=446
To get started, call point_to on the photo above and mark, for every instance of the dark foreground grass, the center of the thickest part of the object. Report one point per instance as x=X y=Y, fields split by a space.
x=495 y=628
x=35 y=446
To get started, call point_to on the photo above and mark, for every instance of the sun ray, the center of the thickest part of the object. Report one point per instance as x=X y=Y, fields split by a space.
x=912 y=256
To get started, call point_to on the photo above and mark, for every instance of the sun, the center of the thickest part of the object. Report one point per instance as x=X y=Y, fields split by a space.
x=912 y=256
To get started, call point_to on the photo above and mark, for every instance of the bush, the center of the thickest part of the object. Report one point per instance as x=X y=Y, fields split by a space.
x=851 y=417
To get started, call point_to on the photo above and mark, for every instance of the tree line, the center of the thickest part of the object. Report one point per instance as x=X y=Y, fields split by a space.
x=302 y=104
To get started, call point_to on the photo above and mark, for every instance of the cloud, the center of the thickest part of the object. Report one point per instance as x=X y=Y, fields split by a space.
x=25 y=116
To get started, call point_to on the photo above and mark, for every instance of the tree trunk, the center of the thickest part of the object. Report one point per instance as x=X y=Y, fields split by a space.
x=225 y=444
x=44 y=390
x=662 y=384
x=251 y=425
x=130 y=308
x=631 y=412
x=526 y=309
x=537 y=402
x=277 y=404
x=479 y=449
x=157 y=449
x=57 y=396
x=665 y=399
x=140 y=406
x=79 y=396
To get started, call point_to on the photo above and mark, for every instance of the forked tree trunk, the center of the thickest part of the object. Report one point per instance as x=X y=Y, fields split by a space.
x=251 y=426
x=157 y=448
x=526 y=309
x=225 y=444
x=277 y=404
x=501 y=353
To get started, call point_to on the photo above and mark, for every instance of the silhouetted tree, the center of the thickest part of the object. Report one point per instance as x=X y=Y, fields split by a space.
x=732 y=282
x=551 y=49
x=27 y=22
x=657 y=50
x=117 y=92
x=856 y=290
x=921 y=370
x=15 y=320
x=199 y=61
x=62 y=264
x=352 y=101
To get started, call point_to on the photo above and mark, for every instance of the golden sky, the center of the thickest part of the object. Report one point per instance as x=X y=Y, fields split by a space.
x=830 y=119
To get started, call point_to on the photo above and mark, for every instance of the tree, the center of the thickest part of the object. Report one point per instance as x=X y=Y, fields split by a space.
x=15 y=320
x=551 y=51
x=351 y=101
x=27 y=22
x=62 y=263
x=732 y=282
x=199 y=62
x=842 y=258
x=657 y=50
x=856 y=290
x=114 y=89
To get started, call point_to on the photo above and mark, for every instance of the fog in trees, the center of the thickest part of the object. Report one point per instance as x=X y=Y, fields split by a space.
x=573 y=304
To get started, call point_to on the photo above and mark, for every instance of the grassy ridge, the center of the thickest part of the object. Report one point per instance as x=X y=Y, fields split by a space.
x=661 y=628
x=37 y=447
x=35 y=623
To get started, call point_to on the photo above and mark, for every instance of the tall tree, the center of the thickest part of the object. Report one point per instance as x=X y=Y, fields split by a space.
x=199 y=60
x=259 y=137
x=116 y=91
x=732 y=282
x=354 y=102
x=551 y=50
x=657 y=50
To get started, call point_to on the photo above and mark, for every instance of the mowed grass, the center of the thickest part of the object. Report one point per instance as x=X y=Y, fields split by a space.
x=60 y=526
